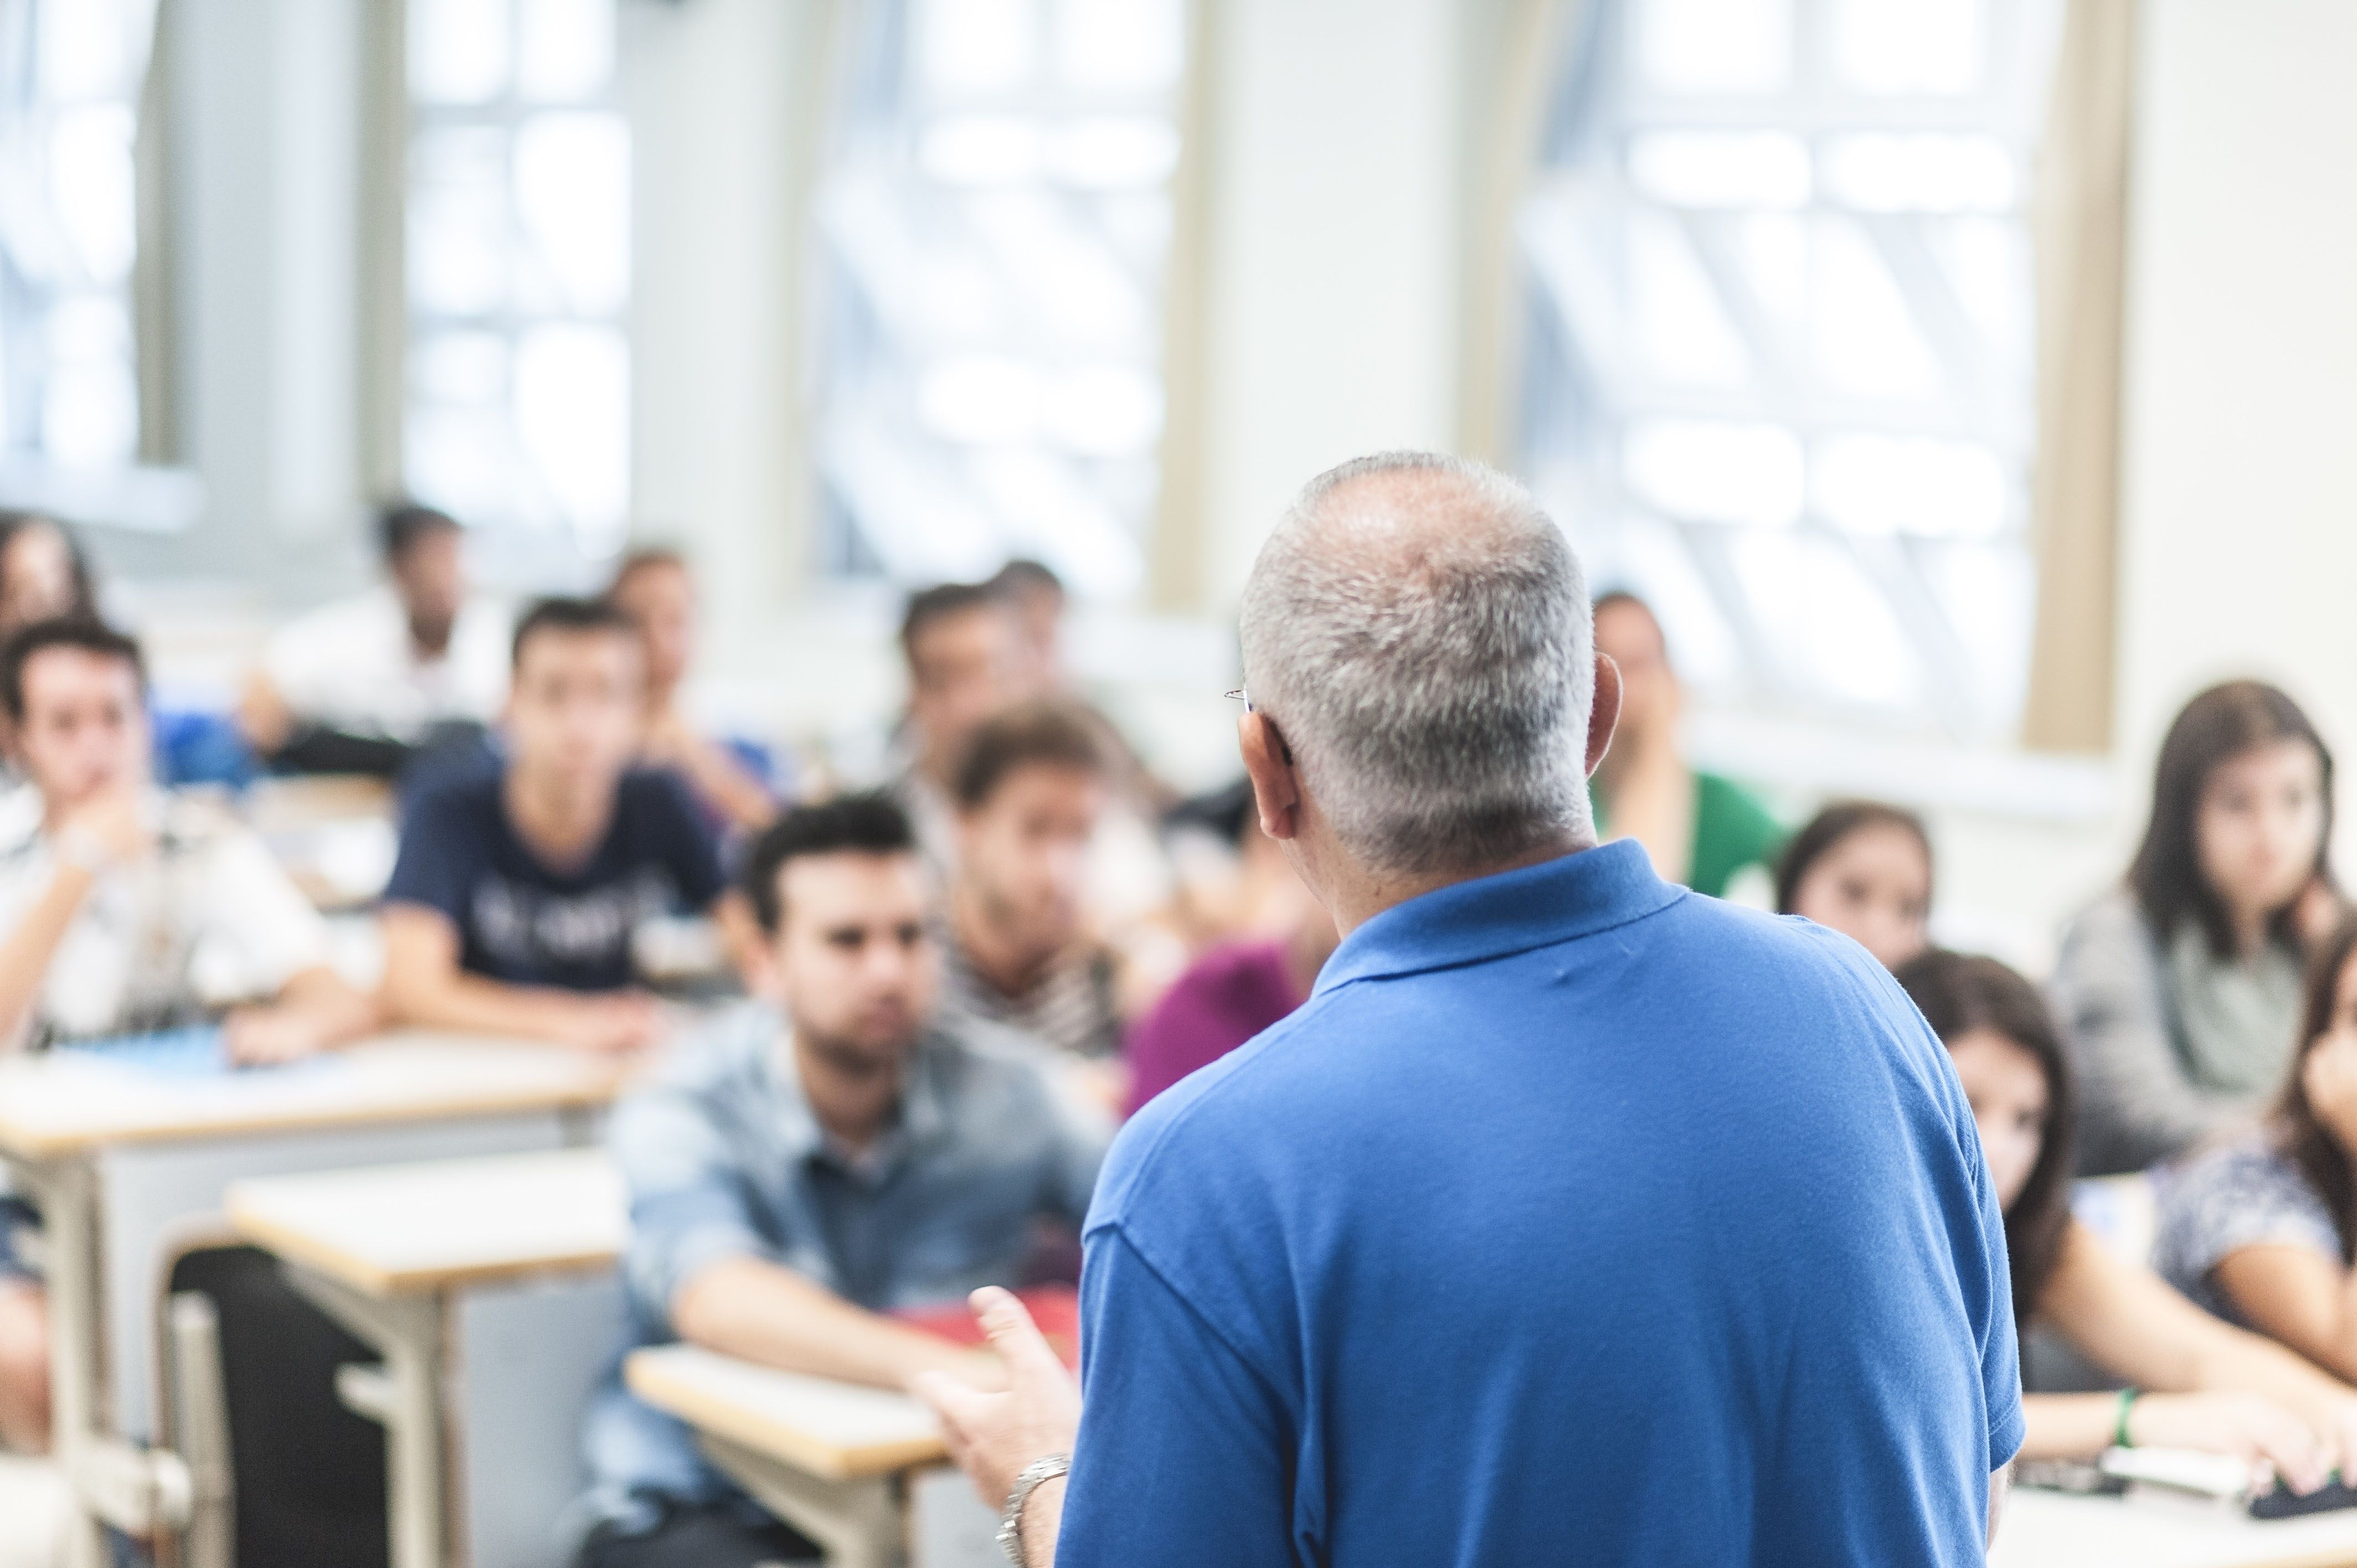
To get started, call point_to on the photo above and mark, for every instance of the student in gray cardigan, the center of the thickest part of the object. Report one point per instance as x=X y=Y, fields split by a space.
x=2181 y=992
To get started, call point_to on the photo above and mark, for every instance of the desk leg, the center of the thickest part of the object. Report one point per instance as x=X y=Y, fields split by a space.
x=858 y=1524
x=68 y=1192
x=408 y=1401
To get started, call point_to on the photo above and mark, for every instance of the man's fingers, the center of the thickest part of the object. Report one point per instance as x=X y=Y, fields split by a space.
x=1013 y=1336
x=954 y=1403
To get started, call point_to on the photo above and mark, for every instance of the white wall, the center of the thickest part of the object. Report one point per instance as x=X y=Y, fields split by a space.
x=2240 y=554
x=1332 y=300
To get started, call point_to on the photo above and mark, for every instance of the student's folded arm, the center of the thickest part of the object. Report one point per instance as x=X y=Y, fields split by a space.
x=746 y=1306
x=337 y=1012
x=2297 y=1296
x=2128 y=1319
x=28 y=949
x=425 y=986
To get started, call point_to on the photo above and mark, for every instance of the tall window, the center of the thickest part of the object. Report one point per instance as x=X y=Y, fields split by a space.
x=518 y=393
x=1779 y=376
x=70 y=74
x=995 y=230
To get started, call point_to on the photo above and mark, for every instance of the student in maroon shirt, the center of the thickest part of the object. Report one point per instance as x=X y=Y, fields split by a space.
x=1228 y=995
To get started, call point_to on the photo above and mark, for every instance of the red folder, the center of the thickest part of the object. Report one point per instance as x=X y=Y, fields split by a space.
x=1055 y=1308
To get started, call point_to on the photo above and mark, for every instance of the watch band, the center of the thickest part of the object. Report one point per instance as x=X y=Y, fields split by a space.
x=1010 y=1522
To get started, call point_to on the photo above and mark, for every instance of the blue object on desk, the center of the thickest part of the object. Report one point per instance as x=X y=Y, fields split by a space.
x=197 y=747
x=198 y=1051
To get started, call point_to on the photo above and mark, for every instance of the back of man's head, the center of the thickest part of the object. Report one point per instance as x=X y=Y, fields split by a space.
x=1418 y=630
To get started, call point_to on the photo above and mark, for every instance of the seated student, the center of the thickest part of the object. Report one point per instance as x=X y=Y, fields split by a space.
x=2261 y=1230
x=2194 y=1382
x=363 y=684
x=43 y=573
x=1698 y=828
x=652 y=587
x=1226 y=996
x=125 y=908
x=813 y=1162
x=1035 y=595
x=2179 y=992
x=966 y=661
x=1864 y=869
x=519 y=888
x=1017 y=946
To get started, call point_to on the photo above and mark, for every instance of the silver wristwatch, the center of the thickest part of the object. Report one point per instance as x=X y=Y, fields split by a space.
x=1010 y=1522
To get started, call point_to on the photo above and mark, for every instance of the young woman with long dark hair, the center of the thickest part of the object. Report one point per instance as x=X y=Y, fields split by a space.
x=2263 y=1231
x=2178 y=990
x=2193 y=1382
x=1865 y=870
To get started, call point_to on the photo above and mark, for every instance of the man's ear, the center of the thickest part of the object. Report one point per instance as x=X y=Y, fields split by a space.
x=1604 y=713
x=1275 y=781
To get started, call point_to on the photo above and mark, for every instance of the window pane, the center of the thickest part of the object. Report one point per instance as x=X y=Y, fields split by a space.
x=1722 y=473
x=1682 y=335
x=1863 y=334
x=977 y=46
x=1715 y=46
x=573 y=197
x=1830 y=624
x=1119 y=46
x=572 y=420
x=69 y=230
x=1747 y=169
x=1909 y=46
x=995 y=232
x=1920 y=174
x=984 y=149
x=564 y=49
x=1883 y=484
x=460 y=221
x=89 y=173
x=458 y=50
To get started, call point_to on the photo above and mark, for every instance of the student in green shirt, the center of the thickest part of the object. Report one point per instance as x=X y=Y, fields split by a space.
x=1698 y=828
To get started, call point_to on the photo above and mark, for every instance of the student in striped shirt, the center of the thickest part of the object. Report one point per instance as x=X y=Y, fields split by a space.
x=1017 y=950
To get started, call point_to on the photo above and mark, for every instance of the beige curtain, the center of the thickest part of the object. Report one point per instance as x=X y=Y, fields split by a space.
x=2080 y=218
x=1176 y=576
x=1512 y=57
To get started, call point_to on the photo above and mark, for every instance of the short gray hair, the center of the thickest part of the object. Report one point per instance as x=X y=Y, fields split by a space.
x=1424 y=645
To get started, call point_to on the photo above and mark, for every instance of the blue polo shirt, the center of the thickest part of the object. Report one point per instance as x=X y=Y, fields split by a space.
x=1576 y=1218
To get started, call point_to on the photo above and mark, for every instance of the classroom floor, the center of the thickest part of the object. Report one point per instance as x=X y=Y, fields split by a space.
x=32 y=1509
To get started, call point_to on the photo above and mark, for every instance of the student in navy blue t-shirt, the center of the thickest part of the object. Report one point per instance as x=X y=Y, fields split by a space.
x=1576 y=1218
x=519 y=888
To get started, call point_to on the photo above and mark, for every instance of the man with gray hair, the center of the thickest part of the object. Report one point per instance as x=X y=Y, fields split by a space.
x=1575 y=1218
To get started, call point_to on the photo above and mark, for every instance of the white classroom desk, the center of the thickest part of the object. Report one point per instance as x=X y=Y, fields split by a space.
x=2051 y=1529
x=124 y=1160
x=488 y=1287
x=858 y=1470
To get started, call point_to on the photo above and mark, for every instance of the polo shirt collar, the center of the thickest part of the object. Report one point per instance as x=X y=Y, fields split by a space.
x=1513 y=911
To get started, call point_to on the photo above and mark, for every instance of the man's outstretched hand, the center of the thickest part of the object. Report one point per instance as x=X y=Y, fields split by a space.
x=994 y=1436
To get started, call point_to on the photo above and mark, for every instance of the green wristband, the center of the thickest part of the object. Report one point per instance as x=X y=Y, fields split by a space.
x=2120 y=1438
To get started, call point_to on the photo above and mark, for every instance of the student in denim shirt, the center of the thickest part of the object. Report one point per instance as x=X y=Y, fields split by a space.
x=794 y=1178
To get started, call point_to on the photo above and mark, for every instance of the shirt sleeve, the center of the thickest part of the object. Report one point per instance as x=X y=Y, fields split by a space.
x=2135 y=1104
x=434 y=868
x=689 y=1202
x=1990 y=1291
x=264 y=918
x=1185 y=1455
x=687 y=846
x=2237 y=1198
